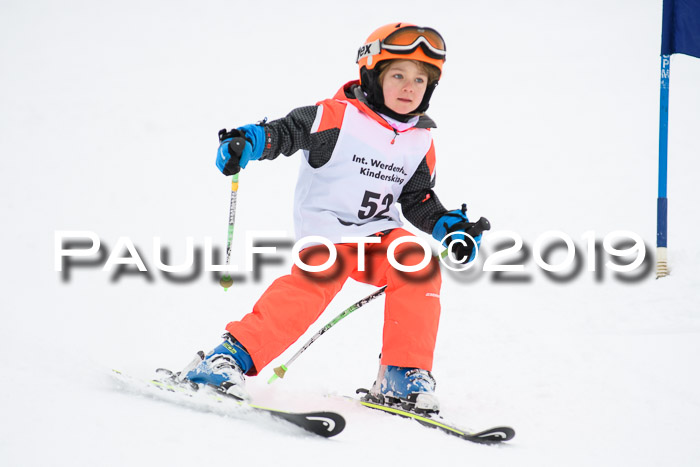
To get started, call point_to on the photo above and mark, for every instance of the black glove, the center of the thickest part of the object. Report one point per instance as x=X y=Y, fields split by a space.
x=231 y=148
x=465 y=249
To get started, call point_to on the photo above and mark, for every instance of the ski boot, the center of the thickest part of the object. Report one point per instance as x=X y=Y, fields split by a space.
x=410 y=389
x=222 y=368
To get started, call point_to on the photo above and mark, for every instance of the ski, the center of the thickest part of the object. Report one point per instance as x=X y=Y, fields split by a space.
x=325 y=424
x=433 y=420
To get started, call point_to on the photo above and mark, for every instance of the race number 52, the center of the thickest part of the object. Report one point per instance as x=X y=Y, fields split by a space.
x=371 y=203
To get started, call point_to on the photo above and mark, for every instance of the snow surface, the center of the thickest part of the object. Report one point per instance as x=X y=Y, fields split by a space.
x=548 y=120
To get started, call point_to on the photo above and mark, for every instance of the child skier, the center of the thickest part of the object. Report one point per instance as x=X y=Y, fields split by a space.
x=365 y=150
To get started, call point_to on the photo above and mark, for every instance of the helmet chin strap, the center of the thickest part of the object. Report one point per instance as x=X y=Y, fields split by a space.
x=375 y=96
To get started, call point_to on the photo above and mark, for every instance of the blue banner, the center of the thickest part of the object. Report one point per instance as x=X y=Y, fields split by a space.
x=681 y=28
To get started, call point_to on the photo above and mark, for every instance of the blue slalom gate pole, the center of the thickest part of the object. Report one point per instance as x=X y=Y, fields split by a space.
x=662 y=199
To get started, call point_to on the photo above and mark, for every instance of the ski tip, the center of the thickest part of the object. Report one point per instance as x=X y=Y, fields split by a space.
x=326 y=424
x=494 y=435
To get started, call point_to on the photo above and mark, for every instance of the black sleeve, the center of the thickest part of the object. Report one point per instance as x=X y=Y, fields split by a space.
x=419 y=203
x=289 y=134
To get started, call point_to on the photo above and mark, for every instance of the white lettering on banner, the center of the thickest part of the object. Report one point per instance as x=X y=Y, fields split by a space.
x=134 y=258
x=252 y=235
x=626 y=249
x=361 y=241
x=60 y=253
x=189 y=259
x=209 y=265
x=424 y=262
x=314 y=239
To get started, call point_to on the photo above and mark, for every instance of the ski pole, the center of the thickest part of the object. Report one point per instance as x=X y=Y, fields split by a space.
x=474 y=230
x=280 y=371
x=236 y=145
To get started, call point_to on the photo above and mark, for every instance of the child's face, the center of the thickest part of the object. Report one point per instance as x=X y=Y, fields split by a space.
x=404 y=86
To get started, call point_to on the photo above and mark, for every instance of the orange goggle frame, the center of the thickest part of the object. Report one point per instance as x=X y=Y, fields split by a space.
x=405 y=41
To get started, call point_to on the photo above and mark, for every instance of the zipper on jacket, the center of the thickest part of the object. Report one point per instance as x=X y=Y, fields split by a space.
x=396 y=133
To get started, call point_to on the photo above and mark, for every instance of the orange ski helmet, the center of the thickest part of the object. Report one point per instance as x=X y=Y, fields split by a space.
x=402 y=41
x=399 y=41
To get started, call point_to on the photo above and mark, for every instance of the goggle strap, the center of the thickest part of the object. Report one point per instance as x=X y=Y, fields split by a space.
x=373 y=48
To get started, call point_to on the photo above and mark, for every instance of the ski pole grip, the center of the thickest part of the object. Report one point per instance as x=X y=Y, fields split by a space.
x=236 y=146
x=479 y=227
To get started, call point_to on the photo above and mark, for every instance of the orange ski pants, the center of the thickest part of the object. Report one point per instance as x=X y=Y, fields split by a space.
x=294 y=302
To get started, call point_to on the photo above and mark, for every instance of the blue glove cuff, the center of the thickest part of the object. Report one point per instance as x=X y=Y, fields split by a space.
x=445 y=222
x=255 y=135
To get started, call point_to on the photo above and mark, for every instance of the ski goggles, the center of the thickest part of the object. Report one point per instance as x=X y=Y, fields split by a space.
x=405 y=41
